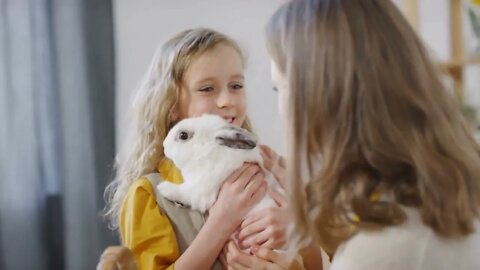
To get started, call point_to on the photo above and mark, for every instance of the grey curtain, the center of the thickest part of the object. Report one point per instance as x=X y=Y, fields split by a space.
x=56 y=132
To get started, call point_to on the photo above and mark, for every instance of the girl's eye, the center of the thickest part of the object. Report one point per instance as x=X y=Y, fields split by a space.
x=206 y=89
x=237 y=86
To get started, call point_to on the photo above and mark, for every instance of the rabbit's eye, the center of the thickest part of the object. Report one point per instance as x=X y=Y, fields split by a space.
x=183 y=136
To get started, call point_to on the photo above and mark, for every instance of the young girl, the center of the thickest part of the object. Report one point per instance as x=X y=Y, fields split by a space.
x=380 y=168
x=198 y=71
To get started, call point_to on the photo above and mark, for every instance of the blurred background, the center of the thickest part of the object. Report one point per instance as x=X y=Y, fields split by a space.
x=68 y=69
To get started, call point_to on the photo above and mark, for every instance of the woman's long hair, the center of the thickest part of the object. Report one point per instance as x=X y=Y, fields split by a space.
x=366 y=112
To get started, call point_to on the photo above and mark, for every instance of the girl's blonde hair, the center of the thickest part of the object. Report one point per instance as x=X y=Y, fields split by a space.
x=152 y=109
x=368 y=112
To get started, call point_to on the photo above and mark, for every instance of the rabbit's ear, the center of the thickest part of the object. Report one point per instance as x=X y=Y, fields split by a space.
x=238 y=139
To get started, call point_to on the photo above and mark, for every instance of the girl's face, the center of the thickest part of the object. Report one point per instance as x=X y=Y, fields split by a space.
x=281 y=85
x=214 y=83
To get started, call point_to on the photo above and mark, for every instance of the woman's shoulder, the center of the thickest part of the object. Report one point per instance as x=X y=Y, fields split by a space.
x=395 y=247
x=441 y=253
x=411 y=245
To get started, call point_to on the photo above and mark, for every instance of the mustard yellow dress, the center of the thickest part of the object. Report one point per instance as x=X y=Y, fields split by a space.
x=144 y=228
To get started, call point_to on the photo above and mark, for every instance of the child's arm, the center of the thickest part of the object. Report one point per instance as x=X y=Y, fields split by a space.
x=202 y=253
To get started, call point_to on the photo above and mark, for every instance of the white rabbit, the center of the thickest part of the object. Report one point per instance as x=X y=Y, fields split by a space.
x=207 y=150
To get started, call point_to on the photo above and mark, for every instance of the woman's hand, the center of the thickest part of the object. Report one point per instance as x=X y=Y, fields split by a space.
x=242 y=190
x=274 y=163
x=262 y=258
x=267 y=227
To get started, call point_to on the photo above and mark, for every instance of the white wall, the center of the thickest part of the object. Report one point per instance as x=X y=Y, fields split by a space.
x=140 y=25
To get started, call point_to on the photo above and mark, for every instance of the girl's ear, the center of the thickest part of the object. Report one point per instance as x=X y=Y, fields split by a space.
x=172 y=122
x=174 y=115
x=176 y=111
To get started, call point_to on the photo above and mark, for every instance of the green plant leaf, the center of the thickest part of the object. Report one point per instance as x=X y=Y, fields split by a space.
x=475 y=20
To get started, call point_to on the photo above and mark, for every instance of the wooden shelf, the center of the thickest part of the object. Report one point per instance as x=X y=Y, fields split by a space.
x=455 y=66
x=452 y=65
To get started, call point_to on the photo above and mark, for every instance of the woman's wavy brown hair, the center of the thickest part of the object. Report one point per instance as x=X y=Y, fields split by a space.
x=367 y=111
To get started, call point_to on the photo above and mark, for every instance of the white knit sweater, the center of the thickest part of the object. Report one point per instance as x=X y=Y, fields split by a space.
x=409 y=246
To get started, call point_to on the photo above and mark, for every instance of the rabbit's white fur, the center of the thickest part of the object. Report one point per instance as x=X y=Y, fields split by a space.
x=213 y=149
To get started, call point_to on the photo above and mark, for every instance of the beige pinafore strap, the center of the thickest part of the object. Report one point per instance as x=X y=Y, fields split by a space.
x=186 y=222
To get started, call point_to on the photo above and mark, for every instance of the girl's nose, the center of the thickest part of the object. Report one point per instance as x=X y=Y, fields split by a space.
x=225 y=99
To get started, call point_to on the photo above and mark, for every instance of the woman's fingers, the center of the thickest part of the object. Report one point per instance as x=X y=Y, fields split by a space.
x=269 y=255
x=267 y=163
x=262 y=258
x=268 y=153
x=237 y=259
x=279 y=199
x=266 y=227
x=252 y=218
x=252 y=228
x=257 y=239
x=274 y=163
